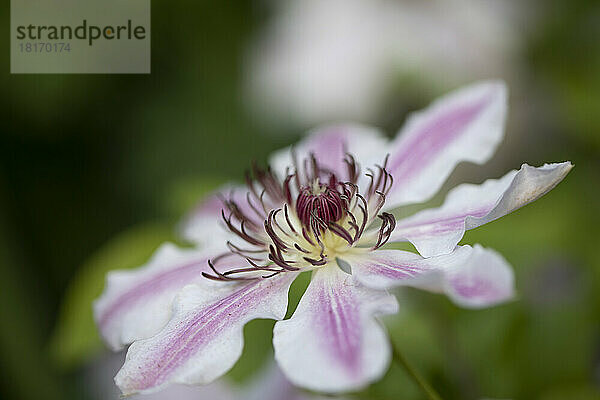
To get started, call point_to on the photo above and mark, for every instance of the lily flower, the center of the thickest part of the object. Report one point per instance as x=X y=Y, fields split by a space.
x=316 y=209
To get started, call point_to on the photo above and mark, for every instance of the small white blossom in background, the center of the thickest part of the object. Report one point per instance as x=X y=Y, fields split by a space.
x=335 y=60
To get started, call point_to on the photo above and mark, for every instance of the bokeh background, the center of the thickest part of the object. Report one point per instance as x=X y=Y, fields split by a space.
x=96 y=171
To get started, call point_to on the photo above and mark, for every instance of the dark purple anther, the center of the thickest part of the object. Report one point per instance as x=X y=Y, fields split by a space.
x=321 y=202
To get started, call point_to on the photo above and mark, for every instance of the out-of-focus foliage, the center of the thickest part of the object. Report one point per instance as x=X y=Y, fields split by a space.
x=88 y=161
x=76 y=338
x=565 y=55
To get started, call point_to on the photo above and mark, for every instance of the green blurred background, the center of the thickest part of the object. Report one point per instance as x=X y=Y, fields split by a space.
x=96 y=171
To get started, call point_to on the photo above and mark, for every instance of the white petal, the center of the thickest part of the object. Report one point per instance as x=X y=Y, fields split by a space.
x=205 y=336
x=329 y=144
x=438 y=231
x=137 y=303
x=465 y=125
x=470 y=276
x=383 y=269
x=333 y=343
x=485 y=279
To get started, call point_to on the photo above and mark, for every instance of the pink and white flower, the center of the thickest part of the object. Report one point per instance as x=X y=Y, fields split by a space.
x=316 y=210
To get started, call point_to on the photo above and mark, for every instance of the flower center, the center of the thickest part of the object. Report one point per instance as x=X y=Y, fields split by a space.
x=306 y=223
x=318 y=205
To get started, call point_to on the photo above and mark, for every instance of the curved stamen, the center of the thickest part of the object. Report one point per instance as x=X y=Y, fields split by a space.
x=301 y=249
x=385 y=231
x=287 y=218
x=222 y=277
x=248 y=269
x=306 y=236
x=314 y=262
x=276 y=223
x=243 y=234
x=239 y=249
x=260 y=214
x=278 y=259
x=271 y=232
x=353 y=169
x=341 y=232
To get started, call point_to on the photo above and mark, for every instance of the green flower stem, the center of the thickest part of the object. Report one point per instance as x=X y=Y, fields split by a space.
x=416 y=377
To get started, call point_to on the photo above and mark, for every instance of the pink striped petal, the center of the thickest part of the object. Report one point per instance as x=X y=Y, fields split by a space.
x=204 y=338
x=384 y=269
x=332 y=343
x=330 y=144
x=438 y=231
x=485 y=279
x=465 y=125
x=137 y=303
x=470 y=276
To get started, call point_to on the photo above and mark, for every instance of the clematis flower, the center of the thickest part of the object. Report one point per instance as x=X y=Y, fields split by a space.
x=323 y=206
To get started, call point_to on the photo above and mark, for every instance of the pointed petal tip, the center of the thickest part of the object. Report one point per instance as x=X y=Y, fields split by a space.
x=565 y=166
x=497 y=86
x=494 y=89
x=552 y=175
x=438 y=231
x=466 y=124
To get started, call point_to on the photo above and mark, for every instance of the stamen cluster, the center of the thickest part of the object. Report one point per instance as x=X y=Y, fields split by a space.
x=321 y=201
x=305 y=222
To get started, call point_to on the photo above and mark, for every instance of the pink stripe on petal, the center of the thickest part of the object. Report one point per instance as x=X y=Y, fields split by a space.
x=465 y=125
x=204 y=337
x=137 y=303
x=332 y=343
x=193 y=333
x=447 y=223
x=474 y=289
x=341 y=333
x=470 y=276
x=397 y=272
x=432 y=138
x=179 y=276
x=382 y=269
x=484 y=280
